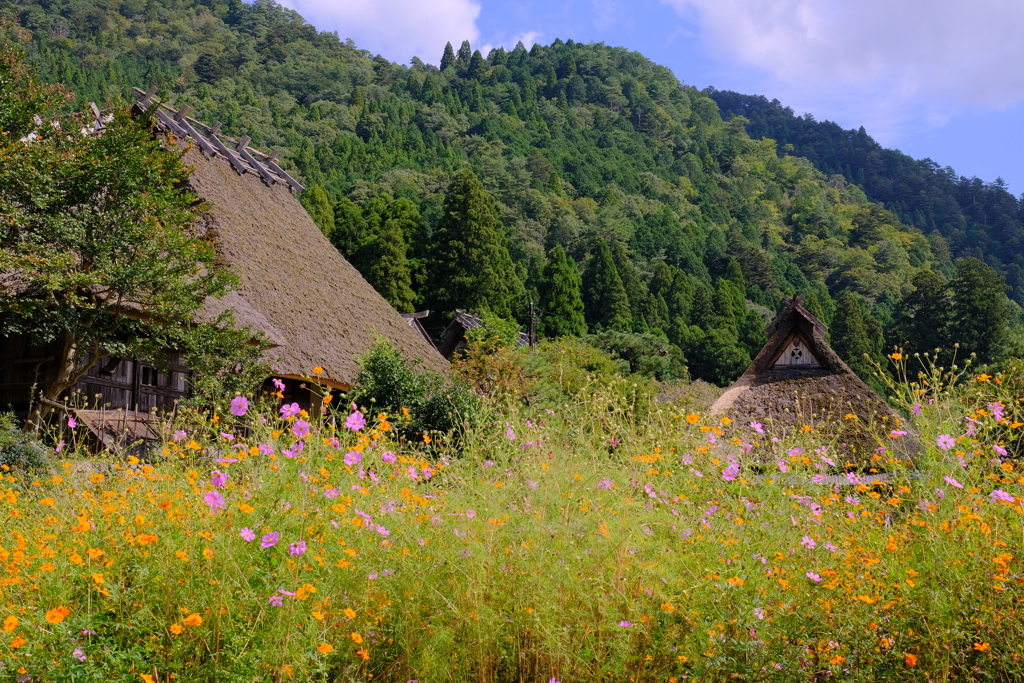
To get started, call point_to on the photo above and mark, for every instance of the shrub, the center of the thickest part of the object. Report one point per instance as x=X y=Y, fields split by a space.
x=19 y=450
x=389 y=382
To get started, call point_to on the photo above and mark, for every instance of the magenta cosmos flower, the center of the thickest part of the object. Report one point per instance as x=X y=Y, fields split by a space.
x=270 y=540
x=239 y=406
x=945 y=442
x=296 y=549
x=247 y=534
x=300 y=428
x=215 y=500
x=355 y=421
x=290 y=410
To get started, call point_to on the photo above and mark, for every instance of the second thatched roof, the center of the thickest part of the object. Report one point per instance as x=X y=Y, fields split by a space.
x=797 y=380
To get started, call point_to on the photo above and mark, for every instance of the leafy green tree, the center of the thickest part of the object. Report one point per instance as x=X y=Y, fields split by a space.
x=560 y=297
x=349 y=227
x=472 y=267
x=382 y=260
x=853 y=337
x=97 y=225
x=448 y=58
x=319 y=207
x=604 y=298
x=634 y=288
x=981 y=311
x=924 y=320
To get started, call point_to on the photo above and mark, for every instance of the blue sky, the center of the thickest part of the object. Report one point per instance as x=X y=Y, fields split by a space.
x=934 y=78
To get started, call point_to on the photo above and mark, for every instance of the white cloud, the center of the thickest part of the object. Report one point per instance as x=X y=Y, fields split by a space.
x=879 y=57
x=397 y=29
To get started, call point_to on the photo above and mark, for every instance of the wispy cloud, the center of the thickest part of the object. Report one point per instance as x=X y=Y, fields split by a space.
x=893 y=61
x=396 y=29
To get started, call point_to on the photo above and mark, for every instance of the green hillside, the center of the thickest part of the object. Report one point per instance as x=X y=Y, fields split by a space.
x=976 y=218
x=570 y=146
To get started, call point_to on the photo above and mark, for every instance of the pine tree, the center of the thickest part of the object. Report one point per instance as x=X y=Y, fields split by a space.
x=849 y=335
x=631 y=283
x=560 y=297
x=319 y=207
x=981 y=311
x=464 y=55
x=448 y=58
x=923 y=324
x=349 y=227
x=472 y=267
x=604 y=298
x=383 y=262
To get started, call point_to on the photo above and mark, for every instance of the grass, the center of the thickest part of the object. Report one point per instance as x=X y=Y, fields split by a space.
x=578 y=543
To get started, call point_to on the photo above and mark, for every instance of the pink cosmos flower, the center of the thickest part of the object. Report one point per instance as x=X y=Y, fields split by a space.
x=275 y=600
x=945 y=442
x=730 y=473
x=218 y=479
x=355 y=421
x=625 y=624
x=388 y=457
x=294 y=451
x=605 y=484
x=808 y=542
x=290 y=410
x=300 y=428
x=953 y=482
x=180 y=435
x=783 y=467
x=470 y=514
x=916 y=409
x=215 y=500
x=1001 y=496
x=266 y=449
x=72 y=423
x=239 y=406
x=353 y=458
x=248 y=534
x=270 y=540
x=813 y=577
x=997 y=411
x=510 y=433
x=999 y=449
x=757 y=427
x=296 y=549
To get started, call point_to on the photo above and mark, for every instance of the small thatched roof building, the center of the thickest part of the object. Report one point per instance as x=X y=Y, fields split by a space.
x=295 y=286
x=797 y=379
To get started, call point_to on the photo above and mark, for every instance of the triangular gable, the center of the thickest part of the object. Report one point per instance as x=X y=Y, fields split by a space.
x=796 y=352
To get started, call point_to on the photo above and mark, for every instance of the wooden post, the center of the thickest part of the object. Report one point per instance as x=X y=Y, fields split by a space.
x=533 y=327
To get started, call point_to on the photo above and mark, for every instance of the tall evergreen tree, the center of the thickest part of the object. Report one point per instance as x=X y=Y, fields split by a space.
x=560 y=297
x=349 y=227
x=383 y=262
x=924 y=320
x=981 y=311
x=448 y=58
x=604 y=298
x=320 y=209
x=472 y=267
x=634 y=288
x=850 y=336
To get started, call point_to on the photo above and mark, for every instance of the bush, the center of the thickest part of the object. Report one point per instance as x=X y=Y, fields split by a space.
x=19 y=450
x=388 y=382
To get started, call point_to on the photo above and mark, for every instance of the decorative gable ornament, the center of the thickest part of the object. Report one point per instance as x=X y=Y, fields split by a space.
x=797 y=380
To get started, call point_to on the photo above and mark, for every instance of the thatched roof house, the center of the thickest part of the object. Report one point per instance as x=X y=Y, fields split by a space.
x=453 y=339
x=295 y=286
x=797 y=379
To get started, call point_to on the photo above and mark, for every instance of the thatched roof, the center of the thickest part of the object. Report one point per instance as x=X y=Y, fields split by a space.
x=295 y=286
x=797 y=379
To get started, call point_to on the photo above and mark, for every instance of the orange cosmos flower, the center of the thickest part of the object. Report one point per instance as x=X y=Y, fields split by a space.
x=57 y=614
x=325 y=648
x=981 y=647
x=18 y=642
x=693 y=418
x=176 y=629
x=357 y=639
x=192 y=620
x=10 y=623
x=910 y=659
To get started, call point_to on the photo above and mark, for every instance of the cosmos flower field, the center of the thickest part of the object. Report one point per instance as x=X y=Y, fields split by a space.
x=577 y=542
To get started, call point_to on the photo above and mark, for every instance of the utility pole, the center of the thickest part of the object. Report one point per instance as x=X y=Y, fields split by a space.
x=533 y=327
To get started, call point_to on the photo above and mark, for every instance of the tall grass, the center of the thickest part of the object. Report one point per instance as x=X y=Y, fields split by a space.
x=587 y=543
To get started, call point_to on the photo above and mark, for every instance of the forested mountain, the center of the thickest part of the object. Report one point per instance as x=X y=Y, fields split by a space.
x=977 y=218
x=582 y=177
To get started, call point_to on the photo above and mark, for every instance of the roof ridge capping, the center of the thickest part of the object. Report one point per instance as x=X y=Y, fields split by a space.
x=243 y=158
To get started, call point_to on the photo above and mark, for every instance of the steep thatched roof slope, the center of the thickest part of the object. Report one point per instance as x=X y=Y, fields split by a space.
x=315 y=307
x=797 y=379
x=321 y=310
